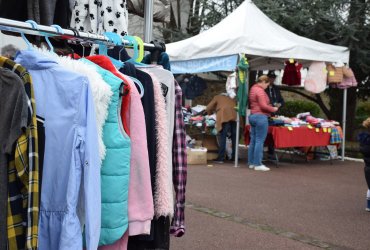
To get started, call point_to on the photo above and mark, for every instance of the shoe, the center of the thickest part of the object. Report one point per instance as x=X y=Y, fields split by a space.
x=218 y=161
x=261 y=168
x=251 y=166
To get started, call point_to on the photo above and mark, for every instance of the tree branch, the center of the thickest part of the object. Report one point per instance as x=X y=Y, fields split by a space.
x=318 y=100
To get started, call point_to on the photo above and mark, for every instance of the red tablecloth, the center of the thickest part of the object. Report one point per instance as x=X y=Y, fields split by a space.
x=282 y=137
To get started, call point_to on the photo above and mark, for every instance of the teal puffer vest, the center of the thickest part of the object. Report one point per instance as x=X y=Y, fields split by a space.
x=115 y=169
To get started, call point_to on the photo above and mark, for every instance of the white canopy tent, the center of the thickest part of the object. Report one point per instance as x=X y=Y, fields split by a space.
x=266 y=44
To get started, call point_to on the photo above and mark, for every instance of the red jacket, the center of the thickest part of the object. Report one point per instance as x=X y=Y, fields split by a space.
x=105 y=63
x=259 y=101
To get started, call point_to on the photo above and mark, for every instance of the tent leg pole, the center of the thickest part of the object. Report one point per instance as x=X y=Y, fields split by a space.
x=237 y=140
x=344 y=119
x=148 y=17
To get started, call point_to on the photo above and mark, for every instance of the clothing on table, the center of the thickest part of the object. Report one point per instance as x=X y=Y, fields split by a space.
x=98 y=16
x=14 y=119
x=226 y=128
x=179 y=169
x=23 y=173
x=292 y=73
x=224 y=107
x=258 y=133
x=259 y=102
x=65 y=101
x=335 y=137
x=115 y=168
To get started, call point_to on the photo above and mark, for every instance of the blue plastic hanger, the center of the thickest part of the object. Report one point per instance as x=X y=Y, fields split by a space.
x=136 y=48
x=138 y=83
x=103 y=49
x=35 y=27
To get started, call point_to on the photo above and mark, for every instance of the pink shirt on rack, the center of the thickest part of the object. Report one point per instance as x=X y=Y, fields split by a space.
x=259 y=101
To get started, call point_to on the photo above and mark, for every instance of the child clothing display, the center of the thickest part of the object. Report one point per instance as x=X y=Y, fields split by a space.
x=119 y=154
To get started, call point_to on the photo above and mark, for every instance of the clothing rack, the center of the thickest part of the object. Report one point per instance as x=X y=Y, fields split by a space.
x=66 y=34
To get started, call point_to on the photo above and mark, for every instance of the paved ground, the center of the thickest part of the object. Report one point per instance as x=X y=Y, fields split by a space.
x=296 y=206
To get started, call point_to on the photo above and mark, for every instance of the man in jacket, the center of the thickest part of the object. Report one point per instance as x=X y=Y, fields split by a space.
x=224 y=106
x=276 y=100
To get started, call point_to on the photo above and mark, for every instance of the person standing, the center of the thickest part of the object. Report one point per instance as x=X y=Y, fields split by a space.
x=364 y=139
x=224 y=106
x=260 y=111
x=277 y=100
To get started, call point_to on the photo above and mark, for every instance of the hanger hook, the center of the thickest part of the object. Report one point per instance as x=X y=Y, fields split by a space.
x=34 y=26
x=58 y=28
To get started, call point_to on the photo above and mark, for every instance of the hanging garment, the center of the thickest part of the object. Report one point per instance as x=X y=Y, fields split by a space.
x=316 y=78
x=179 y=171
x=100 y=90
x=45 y=12
x=292 y=75
x=159 y=235
x=349 y=79
x=140 y=199
x=167 y=83
x=14 y=118
x=115 y=169
x=150 y=117
x=335 y=74
x=98 y=16
x=231 y=85
x=65 y=102
x=163 y=60
x=242 y=90
x=104 y=61
x=23 y=174
x=163 y=196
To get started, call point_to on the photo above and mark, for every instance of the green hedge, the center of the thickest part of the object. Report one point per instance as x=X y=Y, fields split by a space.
x=362 y=112
x=292 y=108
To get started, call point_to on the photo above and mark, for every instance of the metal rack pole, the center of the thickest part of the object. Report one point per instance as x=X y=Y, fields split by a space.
x=42 y=30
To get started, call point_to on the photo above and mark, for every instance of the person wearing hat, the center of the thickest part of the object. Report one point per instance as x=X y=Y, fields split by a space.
x=276 y=100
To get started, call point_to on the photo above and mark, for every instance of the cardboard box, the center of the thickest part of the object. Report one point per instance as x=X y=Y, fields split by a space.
x=212 y=156
x=197 y=156
x=210 y=142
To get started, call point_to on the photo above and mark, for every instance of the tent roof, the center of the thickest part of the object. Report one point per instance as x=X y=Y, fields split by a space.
x=248 y=30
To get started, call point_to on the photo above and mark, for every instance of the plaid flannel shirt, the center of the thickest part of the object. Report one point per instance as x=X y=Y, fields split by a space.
x=179 y=166
x=23 y=175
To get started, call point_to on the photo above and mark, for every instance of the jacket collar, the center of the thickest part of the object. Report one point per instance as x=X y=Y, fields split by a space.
x=102 y=61
x=34 y=60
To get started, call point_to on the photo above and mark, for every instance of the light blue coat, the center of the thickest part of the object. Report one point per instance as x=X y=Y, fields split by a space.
x=115 y=170
x=71 y=160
